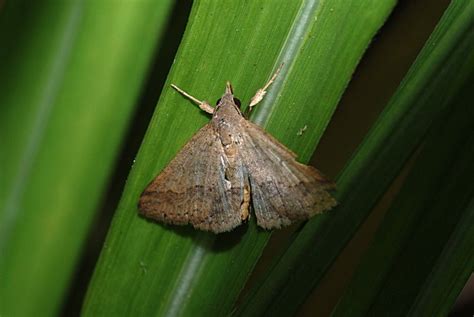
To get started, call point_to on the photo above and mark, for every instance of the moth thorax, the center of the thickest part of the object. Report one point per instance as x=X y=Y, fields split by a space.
x=230 y=151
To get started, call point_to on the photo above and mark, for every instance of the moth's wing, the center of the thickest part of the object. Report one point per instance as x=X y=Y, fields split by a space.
x=193 y=188
x=282 y=189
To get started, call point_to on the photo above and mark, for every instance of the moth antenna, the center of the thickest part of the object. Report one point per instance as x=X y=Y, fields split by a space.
x=203 y=105
x=275 y=75
x=262 y=91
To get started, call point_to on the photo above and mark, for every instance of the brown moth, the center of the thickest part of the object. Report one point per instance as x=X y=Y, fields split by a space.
x=230 y=165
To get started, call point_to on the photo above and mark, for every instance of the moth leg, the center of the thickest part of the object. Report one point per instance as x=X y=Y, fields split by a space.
x=262 y=91
x=203 y=105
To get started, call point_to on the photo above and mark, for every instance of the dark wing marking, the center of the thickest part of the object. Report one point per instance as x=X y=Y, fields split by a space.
x=193 y=188
x=282 y=189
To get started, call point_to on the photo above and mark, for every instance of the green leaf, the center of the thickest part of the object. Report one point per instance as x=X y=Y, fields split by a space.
x=146 y=268
x=431 y=206
x=71 y=74
x=440 y=71
x=451 y=271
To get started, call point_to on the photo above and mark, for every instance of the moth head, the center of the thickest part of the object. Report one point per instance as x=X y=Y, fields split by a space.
x=229 y=95
x=236 y=101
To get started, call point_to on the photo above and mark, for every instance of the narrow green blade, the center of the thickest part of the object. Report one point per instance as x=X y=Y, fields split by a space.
x=70 y=74
x=149 y=269
x=450 y=272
